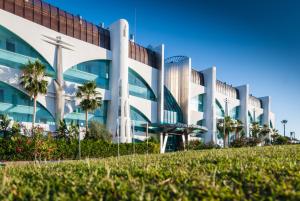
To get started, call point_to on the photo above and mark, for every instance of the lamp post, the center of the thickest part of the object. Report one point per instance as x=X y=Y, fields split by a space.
x=284 y=122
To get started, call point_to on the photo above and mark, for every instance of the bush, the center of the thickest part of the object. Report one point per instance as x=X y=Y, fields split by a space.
x=198 y=145
x=281 y=140
x=39 y=147
x=98 y=131
x=245 y=142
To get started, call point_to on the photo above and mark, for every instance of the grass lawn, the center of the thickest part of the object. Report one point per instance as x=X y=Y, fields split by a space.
x=260 y=173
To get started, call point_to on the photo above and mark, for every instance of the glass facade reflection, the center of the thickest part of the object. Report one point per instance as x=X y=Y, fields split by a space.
x=19 y=106
x=15 y=52
x=78 y=115
x=138 y=86
x=96 y=70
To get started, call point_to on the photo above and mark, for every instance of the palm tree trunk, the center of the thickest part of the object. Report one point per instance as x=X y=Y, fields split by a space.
x=86 y=122
x=236 y=135
x=34 y=113
x=226 y=140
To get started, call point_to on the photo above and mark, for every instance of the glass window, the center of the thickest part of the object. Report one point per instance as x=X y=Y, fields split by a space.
x=96 y=70
x=197 y=103
x=15 y=52
x=78 y=115
x=234 y=113
x=19 y=106
x=172 y=111
x=138 y=86
x=219 y=109
x=10 y=46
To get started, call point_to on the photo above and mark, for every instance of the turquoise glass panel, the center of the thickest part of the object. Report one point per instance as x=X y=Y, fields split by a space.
x=201 y=122
x=138 y=86
x=96 y=70
x=19 y=107
x=234 y=113
x=172 y=111
x=138 y=117
x=250 y=118
x=271 y=124
x=219 y=109
x=197 y=103
x=78 y=115
x=15 y=52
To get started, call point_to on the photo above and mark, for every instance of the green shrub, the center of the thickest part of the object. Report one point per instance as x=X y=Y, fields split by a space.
x=46 y=148
x=98 y=131
x=198 y=145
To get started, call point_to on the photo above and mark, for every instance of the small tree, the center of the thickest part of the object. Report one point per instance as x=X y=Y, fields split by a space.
x=238 y=129
x=4 y=125
x=229 y=127
x=90 y=99
x=99 y=132
x=255 y=130
x=33 y=81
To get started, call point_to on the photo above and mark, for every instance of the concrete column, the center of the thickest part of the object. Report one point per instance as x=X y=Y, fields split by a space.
x=160 y=89
x=60 y=100
x=244 y=103
x=210 y=78
x=119 y=105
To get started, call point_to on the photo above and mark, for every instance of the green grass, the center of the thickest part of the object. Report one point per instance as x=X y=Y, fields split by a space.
x=261 y=173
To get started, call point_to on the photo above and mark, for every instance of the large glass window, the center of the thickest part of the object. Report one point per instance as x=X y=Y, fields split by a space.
x=78 y=115
x=138 y=117
x=138 y=86
x=172 y=111
x=197 y=103
x=15 y=52
x=234 y=113
x=219 y=109
x=18 y=106
x=96 y=70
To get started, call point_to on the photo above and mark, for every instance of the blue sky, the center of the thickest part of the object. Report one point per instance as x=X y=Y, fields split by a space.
x=250 y=41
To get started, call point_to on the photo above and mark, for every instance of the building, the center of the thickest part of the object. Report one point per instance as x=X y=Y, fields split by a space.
x=140 y=88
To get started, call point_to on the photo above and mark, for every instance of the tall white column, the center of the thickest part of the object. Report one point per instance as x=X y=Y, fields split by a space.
x=60 y=100
x=160 y=89
x=119 y=104
x=244 y=107
x=210 y=78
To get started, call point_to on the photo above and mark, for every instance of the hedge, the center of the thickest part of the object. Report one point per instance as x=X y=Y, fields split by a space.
x=20 y=148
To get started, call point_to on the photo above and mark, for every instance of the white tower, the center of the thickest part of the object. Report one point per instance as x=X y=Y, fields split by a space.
x=119 y=105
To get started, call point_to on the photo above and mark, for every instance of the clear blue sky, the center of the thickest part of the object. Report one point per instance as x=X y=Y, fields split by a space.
x=250 y=41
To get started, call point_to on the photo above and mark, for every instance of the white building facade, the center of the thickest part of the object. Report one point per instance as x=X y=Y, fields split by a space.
x=138 y=85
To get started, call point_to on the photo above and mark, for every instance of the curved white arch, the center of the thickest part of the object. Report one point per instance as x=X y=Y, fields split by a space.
x=34 y=34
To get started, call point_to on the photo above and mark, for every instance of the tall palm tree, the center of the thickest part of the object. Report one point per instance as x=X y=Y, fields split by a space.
x=33 y=81
x=90 y=99
x=229 y=127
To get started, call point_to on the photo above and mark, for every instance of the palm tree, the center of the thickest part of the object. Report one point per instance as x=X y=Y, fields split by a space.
x=90 y=99
x=238 y=128
x=33 y=81
x=229 y=127
x=264 y=131
x=4 y=124
x=255 y=130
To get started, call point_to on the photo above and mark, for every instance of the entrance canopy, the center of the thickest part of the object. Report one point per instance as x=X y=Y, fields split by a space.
x=176 y=129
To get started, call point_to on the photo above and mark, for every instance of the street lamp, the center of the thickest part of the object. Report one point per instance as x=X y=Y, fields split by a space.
x=284 y=122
